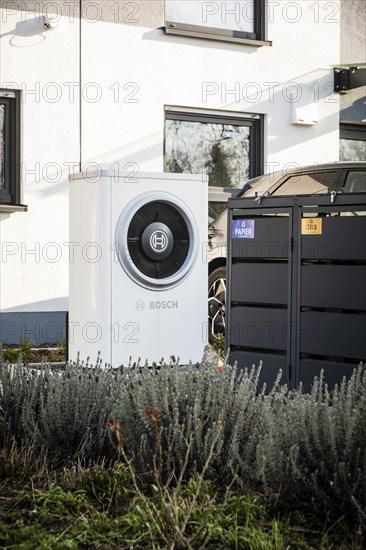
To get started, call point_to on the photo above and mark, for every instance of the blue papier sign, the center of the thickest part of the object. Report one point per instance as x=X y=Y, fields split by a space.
x=243 y=229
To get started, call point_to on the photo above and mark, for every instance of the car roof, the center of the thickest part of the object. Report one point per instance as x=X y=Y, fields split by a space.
x=265 y=183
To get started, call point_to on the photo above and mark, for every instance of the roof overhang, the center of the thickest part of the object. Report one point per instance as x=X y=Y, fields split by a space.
x=349 y=76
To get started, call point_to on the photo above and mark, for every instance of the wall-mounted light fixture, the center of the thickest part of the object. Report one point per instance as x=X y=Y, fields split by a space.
x=304 y=108
x=47 y=23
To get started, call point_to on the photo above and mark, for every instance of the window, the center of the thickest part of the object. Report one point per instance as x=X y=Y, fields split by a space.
x=231 y=20
x=9 y=148
x=304 y=184
x=352 y=144
x=355 y=182
x=226 y=147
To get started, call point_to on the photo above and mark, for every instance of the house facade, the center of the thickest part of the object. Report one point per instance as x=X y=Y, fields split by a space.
x=233 y=89
x=353 y=103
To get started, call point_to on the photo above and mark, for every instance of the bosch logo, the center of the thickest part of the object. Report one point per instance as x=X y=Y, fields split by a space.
x=159 y=241
x=140 y=305
x=169 y=304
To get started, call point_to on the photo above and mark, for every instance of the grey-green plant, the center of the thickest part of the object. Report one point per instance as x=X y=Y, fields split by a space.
x=307 y=451
x=65 y=410
x=189 y=404
x=313 y=447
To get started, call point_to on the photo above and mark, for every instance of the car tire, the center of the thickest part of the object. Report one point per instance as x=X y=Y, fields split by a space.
x=216 y=304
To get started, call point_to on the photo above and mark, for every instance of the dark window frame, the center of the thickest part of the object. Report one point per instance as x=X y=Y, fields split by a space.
x=354 y=131
x=255 y=38
x=254 y=121
x=11 y=192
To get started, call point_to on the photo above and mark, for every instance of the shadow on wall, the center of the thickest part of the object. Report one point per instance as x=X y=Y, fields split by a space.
x=159 y=35
x=132 y=158
x=26 y=29
x=312 y=89
x=354 y=109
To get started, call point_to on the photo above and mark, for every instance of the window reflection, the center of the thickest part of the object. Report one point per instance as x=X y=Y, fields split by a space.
x=352 y=149
x=233 y=15
x=220 y=150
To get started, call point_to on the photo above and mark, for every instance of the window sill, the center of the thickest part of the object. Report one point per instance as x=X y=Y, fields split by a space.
x=11 y=208
x=217 y=37
x=221 y=194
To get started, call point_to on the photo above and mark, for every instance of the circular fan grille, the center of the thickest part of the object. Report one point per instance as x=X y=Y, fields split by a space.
x=158 y=214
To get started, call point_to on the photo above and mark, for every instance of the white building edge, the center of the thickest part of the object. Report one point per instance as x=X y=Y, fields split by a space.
x=93 y=83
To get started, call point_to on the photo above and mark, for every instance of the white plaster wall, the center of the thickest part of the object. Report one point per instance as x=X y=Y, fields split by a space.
x=31 y=59
x=353 y=50
x=151 y=70
x=172 y=70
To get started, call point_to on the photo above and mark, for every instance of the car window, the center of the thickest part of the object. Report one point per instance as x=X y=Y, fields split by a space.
x=355 y=182
x=304 y=184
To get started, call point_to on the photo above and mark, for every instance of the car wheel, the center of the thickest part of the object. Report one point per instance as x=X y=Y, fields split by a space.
x=216 y=304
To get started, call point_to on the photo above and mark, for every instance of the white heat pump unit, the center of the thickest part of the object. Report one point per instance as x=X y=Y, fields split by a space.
x=138 y=272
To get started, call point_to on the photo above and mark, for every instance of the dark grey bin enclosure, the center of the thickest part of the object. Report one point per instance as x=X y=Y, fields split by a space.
x=296 y=288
